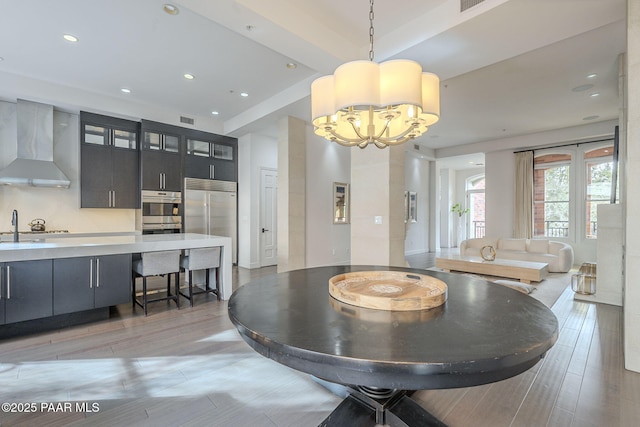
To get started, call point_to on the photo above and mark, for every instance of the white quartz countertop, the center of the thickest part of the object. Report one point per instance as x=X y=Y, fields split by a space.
x=70 y=247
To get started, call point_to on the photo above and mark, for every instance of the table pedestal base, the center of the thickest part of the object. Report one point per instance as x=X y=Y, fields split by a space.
x=368 y=407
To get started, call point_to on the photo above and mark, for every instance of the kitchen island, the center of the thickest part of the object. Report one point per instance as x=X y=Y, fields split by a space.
x=41 y=280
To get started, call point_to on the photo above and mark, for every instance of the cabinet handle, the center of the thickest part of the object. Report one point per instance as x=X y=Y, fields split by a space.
x=212 y=171
x=8 y=282
x=0 y=283
x=113 y=198
x=160 y=180
x=97 y=272
x=90 y=273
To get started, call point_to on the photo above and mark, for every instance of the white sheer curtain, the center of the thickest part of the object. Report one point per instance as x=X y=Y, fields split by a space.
x=523 y=221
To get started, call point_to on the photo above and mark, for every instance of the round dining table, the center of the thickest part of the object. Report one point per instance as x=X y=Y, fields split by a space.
x=483 y=333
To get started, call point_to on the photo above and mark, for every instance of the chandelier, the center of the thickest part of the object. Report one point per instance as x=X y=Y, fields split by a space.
x=384 y=104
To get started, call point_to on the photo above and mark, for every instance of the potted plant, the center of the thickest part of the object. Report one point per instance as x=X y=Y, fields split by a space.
x=457 y=209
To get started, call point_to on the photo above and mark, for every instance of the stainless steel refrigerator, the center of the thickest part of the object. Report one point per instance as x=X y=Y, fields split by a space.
x=210 y=207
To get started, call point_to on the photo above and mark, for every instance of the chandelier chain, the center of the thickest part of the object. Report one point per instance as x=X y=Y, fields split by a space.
x=371 y=30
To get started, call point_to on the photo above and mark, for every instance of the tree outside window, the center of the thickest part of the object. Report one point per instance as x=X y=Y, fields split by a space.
x=551 y=195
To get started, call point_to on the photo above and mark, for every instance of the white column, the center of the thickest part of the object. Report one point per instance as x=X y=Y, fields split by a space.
x=631 y=205
x=291 y=194
x=377 y=206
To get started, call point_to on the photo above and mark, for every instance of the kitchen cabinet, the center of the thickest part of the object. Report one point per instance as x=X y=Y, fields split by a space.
x=26 y=290
x=109 y=165
x=210 y=156
x=161 y=157
x=85 y=283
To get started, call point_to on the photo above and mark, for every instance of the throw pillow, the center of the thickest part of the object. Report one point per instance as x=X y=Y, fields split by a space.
x=513 y=244
x=539 y=246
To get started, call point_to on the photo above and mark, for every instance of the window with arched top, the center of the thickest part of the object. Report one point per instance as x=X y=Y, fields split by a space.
x=476 y=205
x=598 y=185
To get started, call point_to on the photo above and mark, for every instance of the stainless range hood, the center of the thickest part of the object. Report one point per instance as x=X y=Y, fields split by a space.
x=34 y=162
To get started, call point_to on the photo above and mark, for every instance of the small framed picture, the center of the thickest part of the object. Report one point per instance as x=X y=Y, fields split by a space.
x=413 y=206
x=340 y=203
x=406 y=207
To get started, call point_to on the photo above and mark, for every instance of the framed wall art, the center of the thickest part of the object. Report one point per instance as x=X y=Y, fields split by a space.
x=340 y=203
x=413 y=206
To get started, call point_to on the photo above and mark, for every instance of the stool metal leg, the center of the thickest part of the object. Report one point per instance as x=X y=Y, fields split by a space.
x=144 y=294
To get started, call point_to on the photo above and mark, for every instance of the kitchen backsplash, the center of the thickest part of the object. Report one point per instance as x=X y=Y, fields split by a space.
x=60 y=208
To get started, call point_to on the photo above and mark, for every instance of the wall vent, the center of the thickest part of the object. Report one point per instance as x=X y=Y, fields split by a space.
x=187 y=120
x=467 y=4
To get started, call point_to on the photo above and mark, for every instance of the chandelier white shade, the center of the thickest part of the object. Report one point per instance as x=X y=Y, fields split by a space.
x=365 y=102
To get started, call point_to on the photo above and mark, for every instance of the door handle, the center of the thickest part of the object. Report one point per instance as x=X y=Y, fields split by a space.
x=8 y=282
x=264 y=229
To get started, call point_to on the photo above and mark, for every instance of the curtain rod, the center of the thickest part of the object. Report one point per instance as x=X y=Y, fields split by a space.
x=577 y=144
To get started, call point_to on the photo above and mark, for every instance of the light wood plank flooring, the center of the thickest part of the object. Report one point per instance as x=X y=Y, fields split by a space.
x=188 y=367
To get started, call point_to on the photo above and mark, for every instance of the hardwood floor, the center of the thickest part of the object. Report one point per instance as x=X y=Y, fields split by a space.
x=189 y=367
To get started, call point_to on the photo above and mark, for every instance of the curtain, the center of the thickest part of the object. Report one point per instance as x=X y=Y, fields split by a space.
x=523 y=221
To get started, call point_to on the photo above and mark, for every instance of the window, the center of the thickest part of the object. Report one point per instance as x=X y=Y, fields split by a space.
x=551 y=183
x=475 y=202
x=599 y=172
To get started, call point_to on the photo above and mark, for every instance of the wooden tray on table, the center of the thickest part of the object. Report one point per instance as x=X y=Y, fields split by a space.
x=388 y=290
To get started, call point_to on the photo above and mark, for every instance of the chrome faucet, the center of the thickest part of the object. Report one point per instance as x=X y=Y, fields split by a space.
x=14 y=222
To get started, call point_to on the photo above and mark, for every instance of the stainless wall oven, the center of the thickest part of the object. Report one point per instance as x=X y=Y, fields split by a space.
x=161 y=212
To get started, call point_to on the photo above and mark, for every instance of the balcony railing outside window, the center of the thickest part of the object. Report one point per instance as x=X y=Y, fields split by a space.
x=477 y=229
x=556 y=228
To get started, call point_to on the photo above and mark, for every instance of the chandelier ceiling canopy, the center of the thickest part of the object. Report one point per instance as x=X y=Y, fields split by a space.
x=384 y=104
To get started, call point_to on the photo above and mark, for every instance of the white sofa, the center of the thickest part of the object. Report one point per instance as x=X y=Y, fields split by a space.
x=558 y=255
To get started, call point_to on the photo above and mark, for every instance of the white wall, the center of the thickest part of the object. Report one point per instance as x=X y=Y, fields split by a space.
x=500 y=169
x=255 y=152
x=447 y=184
x=416 y=170
x=327 y=162
x=60 y=208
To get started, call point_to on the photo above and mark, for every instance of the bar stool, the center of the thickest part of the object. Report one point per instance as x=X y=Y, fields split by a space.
x=156 y=264
x=202 y=259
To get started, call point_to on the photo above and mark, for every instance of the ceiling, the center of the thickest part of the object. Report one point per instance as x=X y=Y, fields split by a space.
x=507 y=67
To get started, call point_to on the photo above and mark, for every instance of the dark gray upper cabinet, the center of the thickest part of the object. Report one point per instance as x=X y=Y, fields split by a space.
x=27 y=290
x=210 y=156
x=109 y=167
x=161 y=157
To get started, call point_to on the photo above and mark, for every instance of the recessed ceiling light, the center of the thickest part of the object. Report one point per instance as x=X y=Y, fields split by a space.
x=70 y=38
x=244 y=94
x=592 y=76
x=189 y=76
x=582 y=88
x=215 y=113
x=292 y=65
x=594 y=94
x=125 y=90
x=170 y=9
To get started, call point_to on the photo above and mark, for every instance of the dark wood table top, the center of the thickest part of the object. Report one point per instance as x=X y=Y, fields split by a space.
x=483 y=333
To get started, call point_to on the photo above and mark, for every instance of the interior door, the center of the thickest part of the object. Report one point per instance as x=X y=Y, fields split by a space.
x=268 y=217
